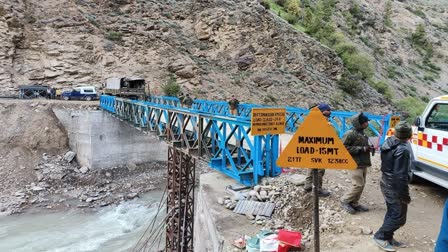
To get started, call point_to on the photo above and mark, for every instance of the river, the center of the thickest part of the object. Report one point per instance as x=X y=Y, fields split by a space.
x=112 y=228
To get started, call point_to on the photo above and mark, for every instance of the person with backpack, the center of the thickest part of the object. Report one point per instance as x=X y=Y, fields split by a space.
x=395 y=165
x=233 y=105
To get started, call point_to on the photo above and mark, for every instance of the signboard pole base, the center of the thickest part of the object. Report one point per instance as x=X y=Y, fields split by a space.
x=316 y=209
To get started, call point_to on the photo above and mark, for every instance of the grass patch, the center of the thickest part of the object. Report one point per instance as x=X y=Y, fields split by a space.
x=114 y=36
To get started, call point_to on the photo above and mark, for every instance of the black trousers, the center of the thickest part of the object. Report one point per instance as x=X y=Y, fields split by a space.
x=395 y=214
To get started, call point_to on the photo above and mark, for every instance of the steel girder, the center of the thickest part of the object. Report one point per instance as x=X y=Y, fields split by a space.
x=225 y=142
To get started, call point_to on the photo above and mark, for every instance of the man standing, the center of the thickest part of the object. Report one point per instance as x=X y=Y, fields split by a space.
x=181 y=99
x=395 y=164
x=233 y=105
x=188 y=101
x=357 y=144
x=326 y=111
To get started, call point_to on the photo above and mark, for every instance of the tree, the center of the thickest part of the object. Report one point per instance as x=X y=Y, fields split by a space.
x=171 y=88
x=293 y=7
x=387 y=14
x=355 y=11
x=419 y=36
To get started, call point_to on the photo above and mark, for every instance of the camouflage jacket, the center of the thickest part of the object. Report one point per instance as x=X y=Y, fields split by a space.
x=357 y=142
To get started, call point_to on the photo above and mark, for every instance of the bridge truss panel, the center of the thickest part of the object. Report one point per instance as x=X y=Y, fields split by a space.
x=379 y=124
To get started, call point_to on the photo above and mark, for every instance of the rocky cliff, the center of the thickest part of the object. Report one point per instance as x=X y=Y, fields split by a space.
x=214 y=47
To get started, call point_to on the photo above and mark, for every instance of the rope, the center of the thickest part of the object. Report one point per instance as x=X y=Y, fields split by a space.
x=162 y=202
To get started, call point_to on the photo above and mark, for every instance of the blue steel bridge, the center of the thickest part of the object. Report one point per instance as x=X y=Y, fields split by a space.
x=208 y=130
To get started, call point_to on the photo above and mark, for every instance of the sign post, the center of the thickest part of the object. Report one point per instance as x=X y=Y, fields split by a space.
x=315 y=145
x=393 y=121
x=316 y=210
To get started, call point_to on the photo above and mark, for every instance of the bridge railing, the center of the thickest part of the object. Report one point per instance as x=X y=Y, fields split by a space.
x=341 y=120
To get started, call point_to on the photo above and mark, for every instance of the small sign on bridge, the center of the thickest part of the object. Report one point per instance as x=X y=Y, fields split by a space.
x=268 y=120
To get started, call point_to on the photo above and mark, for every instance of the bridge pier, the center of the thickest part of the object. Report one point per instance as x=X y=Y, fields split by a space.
x=102 y=141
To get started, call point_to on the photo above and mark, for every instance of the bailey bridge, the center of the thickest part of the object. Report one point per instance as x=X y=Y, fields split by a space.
x=208 y=130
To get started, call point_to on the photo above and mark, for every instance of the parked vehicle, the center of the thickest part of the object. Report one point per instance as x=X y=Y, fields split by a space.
x=128 y=87
x=87 y=93
x=32 y=91
x=430 y=143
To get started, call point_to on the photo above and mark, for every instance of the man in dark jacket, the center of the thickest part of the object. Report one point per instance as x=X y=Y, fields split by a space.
x=395 y=164
x=233 y=105
x=188 y=101
x=326 y=111
x=442 y=241
x=357 y=144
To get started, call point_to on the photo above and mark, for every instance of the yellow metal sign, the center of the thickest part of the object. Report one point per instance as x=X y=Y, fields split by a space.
x=316 y=145
x=268 y=120
x=393 y=121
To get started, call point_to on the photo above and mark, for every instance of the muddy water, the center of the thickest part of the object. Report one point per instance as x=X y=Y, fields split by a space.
x=113 y=228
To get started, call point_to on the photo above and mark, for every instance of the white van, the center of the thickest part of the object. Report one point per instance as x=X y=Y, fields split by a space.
x=430 y=143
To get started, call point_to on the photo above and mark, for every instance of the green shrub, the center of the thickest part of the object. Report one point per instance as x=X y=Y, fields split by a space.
x=428 y=77
x=293 y=7
x=412 y=106
x=350 y=83
x=114 y=36
x=93 y=21
x=290 y=18
x=378 y=52
x=265 y=4
x=421 y=43
x=391 y=72
x=387 y=14
x=367 y=41
x=417 y=12
x=282 y=3
x=383 y=88
x=345 y=48
x=171 y=88
x=355 y=11
x=359 y=63
x=433 y=66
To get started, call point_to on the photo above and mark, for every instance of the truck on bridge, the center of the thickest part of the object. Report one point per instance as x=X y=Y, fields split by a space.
x=127 y=87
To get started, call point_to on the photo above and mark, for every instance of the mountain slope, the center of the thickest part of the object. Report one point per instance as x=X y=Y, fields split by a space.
x=214 y=48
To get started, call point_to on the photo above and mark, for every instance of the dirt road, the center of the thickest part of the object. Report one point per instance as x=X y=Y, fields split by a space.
x=420 y=231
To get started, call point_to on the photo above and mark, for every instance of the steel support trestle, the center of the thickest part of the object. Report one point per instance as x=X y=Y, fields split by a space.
x=180 y=201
